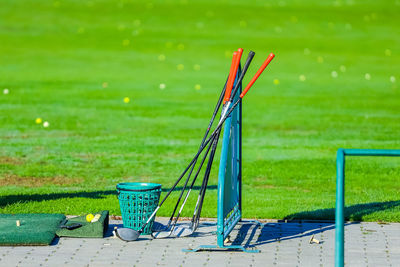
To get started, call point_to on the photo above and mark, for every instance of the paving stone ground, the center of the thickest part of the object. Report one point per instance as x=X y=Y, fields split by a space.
x=281 y=244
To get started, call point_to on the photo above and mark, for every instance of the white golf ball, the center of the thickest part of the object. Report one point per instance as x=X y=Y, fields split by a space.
x=6 y=91
x=162 y=86
x=46 y=124
x=302 y=78
x=392 y=79
x=334 y=74
x=367 y=76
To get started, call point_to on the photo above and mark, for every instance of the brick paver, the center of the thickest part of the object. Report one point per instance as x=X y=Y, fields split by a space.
x=281 y=244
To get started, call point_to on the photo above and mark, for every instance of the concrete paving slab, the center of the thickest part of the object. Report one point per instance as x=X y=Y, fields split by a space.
x=281 y=244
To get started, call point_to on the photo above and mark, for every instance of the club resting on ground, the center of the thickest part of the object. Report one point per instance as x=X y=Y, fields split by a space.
x=228 y=88
x=230 y=110
x=193 y=165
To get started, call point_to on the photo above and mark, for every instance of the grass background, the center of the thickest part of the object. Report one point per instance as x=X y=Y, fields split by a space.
x=71 y=63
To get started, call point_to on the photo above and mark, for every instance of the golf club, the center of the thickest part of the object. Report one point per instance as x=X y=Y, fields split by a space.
x=228 y=98
x=193 y=165
x=166 y=233
x=265 y=64
x=185 y=231
x=197 y=211
x=200 y=199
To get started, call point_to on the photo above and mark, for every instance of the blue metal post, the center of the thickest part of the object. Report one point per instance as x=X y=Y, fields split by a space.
x=339 y=213
x=339 y=216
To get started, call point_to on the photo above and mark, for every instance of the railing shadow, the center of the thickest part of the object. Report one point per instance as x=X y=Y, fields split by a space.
x=306 y=223
x=351 y=213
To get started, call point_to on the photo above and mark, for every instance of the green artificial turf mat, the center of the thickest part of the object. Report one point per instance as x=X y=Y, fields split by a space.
x=88 y=229
x=34 y=229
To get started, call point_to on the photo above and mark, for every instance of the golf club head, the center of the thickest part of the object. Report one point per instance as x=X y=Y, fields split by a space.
x=127 y=234
x=162 y=234
x=183 y=230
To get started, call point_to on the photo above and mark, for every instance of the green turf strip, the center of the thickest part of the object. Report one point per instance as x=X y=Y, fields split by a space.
x=34 y=229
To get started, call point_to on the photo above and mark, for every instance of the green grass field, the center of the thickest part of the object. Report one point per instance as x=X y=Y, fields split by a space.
x=334 y=83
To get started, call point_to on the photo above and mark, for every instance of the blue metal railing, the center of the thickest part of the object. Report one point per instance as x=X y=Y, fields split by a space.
x=340 y=176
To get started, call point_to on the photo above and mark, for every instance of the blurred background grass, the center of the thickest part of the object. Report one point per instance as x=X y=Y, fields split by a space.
x=334 y=83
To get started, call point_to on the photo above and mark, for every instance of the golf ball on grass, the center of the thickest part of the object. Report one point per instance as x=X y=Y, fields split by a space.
x=161 y=57
x=46 y=124
x=6 y=91
x=181 y=46
x=126 y=100
x=38 y=120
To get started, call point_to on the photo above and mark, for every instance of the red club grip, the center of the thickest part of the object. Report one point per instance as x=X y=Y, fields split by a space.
x=258 y=73
x=232 y=74
x=229 y=84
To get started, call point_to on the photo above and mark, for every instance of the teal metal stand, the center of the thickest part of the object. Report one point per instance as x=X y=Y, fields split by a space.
x=340 y=176
x=229 y=211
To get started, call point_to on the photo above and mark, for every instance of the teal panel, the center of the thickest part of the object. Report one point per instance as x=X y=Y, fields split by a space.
x=229 y=191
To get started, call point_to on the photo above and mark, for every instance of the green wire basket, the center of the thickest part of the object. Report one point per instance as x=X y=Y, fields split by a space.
x=137 y=202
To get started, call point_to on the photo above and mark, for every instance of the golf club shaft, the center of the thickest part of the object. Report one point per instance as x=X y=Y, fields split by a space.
x=193 y=182
x=202 y=141
x=196 y=215
x=265 y=64
x=228 y=90
x=223 y=93
x=195 y=220
x=235 y=60
x=262 y=68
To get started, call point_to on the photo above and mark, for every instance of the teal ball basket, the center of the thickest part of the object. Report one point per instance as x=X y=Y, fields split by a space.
x=137 y=202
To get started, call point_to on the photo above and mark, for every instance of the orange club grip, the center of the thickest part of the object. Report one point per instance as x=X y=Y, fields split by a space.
x=229 y=84
x=258 y=73
x=235 y=68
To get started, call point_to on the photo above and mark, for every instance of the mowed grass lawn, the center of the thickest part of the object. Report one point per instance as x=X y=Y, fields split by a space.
x=334 y=83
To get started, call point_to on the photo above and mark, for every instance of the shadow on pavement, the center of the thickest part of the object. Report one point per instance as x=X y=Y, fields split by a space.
x=297 y=226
